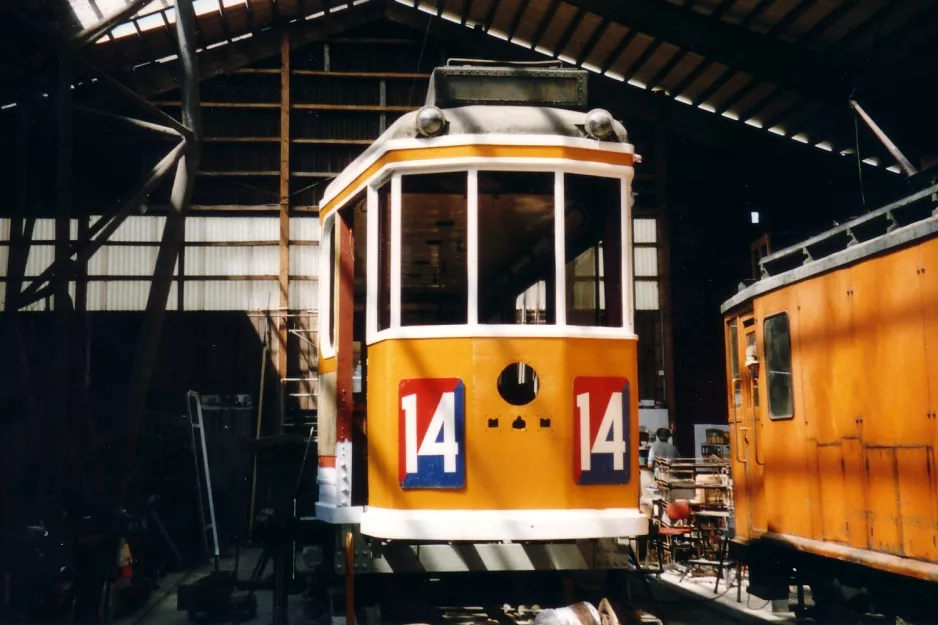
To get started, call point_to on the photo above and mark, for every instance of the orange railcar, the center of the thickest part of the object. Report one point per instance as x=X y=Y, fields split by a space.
x=832 y=369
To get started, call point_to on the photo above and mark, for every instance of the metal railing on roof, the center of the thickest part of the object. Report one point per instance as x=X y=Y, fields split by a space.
x=849 y=229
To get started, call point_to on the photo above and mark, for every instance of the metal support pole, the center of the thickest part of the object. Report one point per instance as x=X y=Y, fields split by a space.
x=886 y=141
x=93 y=33
x=173 y=235
x=86 y=246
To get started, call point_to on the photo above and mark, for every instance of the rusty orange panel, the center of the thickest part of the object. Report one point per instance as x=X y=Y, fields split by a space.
x=883 y=500
x=833 y=501
x=741 y=504
x=506 y=468
x=889 y=328
x=855 y=492
x=917 y=503
x=787 y=501
x=929 y=282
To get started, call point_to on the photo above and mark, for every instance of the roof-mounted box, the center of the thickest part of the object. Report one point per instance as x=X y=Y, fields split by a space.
x=464 y=82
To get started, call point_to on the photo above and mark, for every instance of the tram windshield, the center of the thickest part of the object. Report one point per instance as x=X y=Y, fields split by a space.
x=511 y=272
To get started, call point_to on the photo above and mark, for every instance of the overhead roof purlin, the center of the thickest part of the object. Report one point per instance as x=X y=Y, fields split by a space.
x=739 y=48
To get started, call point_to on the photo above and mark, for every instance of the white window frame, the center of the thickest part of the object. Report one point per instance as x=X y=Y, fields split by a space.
x=473 y=328
x=327 y=285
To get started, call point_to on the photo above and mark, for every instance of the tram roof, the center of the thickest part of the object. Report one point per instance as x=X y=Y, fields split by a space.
x=486 y=120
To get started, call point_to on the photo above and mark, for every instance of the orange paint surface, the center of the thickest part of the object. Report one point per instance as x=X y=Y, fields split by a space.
x=479 y=151
x=506 y=468
x=855 y=467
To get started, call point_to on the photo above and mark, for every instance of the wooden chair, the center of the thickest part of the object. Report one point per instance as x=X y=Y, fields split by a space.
x=677 y=511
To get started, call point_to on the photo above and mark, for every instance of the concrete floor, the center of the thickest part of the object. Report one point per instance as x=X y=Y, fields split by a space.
x=686 y=603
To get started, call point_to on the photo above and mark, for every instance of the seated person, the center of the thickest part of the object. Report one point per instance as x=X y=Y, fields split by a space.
x=661 y=448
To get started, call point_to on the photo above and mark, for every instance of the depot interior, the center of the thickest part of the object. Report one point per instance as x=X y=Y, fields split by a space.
x=739 y=110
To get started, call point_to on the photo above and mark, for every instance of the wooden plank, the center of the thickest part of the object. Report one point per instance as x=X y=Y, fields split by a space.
x=354 y=107
x=284 y=277
x=293 y=140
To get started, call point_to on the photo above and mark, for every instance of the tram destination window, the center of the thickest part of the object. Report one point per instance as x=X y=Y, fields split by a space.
x=434 y=281
x=516 y=248
x=777 y=339
x=593 y=232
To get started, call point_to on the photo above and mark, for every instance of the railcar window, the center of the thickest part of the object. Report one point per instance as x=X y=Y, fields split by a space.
x=516 y=247
x=330 y=269
x=434 y=280
x=384 y=256
x=733 y=332
x=593 y=231
x=777 y=339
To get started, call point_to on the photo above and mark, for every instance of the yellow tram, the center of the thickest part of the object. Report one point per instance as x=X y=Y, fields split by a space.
x=477 y=352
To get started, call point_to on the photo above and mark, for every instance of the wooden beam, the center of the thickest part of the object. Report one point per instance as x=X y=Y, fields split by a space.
x=284 y=211
x=639 y=105
x=516 y=19
x=591 y=43
x=618 y=50
x=646 y=54
x=662 y=73
x=738 y=47
x=567 y=35
x=545 y=23
x=153 y=78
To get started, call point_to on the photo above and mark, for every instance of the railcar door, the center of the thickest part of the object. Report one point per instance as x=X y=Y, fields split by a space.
x=753 y=433
x=745 y=427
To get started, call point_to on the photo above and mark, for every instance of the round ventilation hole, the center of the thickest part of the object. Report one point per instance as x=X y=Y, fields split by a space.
x=518 y=384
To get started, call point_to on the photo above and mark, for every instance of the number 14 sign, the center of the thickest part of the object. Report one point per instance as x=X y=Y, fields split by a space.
x=432 y=430
x=601 y=431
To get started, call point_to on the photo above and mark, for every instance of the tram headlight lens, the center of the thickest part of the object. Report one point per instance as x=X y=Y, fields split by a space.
x=430 y=121
x=599 y=123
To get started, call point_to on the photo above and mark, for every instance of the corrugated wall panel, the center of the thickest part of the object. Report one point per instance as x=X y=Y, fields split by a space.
x=646 y=261
x=644 y=231
x=231 y=295
x=40 y=257
x=304 y=260
x=304 y=295
x=646 y=295
x=141 y=229
x=123 y=295
x=231 y=229
x=232 y=261
x=304 y=229
x=119 y=260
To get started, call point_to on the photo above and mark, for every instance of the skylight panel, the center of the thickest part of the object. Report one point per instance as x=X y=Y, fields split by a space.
x=91 y=12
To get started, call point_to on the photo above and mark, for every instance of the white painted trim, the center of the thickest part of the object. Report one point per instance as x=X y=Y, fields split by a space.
x=347 y=176
x=628 y=250
x=371 y=277
x=561 y=524
x=326 y=286
x=560 y=251
x=338 y=515
x=395 y=250
x=502 y=331
x=472 y=245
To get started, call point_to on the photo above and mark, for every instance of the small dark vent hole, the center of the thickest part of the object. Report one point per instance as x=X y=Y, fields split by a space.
x=518 y=423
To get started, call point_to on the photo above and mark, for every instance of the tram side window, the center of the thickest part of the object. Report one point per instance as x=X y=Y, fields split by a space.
x=434 y=280
x=593 y=231
x=516 y=248
x=329 y=272
x=777 y=339
x=733 y=332
x=384 y=256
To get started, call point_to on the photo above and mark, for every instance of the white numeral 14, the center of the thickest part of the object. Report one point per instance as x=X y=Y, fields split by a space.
x=444 y=419
x=612 y=420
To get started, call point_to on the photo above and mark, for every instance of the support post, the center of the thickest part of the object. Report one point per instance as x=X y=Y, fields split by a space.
x=284 y=281
x=173 y=236
x=664 y=268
